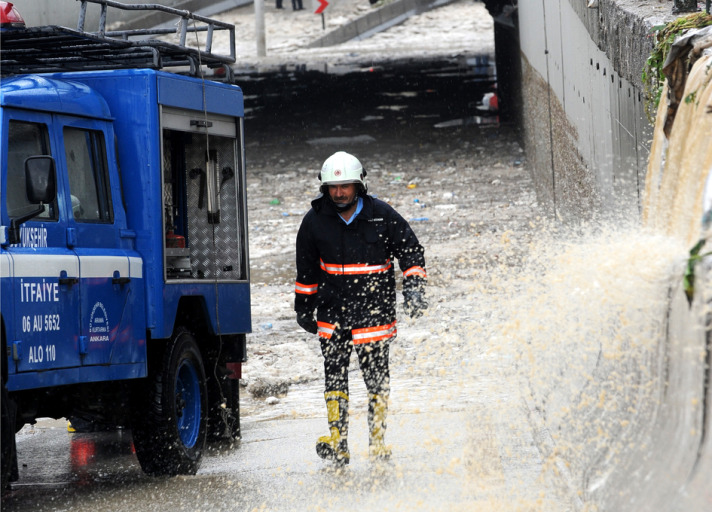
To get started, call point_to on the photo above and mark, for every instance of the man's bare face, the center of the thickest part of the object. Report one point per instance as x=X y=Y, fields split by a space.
x=343 y=194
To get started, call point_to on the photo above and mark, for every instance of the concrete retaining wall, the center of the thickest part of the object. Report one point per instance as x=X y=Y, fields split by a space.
x=588 y=141
x=589 y=145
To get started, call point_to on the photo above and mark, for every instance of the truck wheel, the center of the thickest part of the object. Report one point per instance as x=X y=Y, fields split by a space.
x=170 y=418
x=7 y=431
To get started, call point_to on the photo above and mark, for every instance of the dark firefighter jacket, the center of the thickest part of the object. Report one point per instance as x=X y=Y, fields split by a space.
x=346 y=272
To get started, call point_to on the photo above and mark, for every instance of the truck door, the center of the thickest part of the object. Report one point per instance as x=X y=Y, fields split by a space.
x=108 y=333
x=43 y=271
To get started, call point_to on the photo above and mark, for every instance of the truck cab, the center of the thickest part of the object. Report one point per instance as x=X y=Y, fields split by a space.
x=124 y=264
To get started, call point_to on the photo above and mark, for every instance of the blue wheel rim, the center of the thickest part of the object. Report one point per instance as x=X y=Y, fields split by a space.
x=187 y=392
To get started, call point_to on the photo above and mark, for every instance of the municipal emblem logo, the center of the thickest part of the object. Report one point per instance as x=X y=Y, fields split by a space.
x=337 y=172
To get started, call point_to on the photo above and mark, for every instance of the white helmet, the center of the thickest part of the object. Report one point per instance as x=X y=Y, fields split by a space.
x=342 y=168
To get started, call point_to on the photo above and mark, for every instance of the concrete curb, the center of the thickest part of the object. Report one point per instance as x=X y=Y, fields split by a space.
x=380 y=19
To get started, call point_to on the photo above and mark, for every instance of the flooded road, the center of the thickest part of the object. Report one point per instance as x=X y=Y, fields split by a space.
x=522 y=388
x=461 y=453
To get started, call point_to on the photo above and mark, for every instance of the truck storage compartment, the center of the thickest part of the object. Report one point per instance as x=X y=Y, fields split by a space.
x=203 y=211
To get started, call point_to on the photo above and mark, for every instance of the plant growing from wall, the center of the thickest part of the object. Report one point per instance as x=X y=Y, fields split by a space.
x=665 y=35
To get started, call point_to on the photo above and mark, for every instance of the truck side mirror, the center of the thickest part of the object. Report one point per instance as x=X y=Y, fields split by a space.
x=40 y=187
x=40 y=179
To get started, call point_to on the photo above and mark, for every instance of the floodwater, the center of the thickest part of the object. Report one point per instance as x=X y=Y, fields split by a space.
x=532 y=383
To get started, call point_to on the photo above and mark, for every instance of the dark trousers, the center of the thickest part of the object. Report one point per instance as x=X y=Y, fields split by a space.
x=297 y=5
x=372 y=359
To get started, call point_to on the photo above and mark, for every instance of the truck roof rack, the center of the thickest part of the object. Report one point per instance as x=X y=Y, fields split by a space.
x=53 y=48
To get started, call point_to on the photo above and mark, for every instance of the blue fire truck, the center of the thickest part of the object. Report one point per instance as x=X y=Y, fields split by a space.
x=124 y=274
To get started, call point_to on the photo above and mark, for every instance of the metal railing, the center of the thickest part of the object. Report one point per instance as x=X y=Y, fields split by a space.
x=184 y=24
x=54 y=48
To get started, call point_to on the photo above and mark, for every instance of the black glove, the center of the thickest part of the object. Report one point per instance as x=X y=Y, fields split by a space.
x=414 y=302
x=307 y=322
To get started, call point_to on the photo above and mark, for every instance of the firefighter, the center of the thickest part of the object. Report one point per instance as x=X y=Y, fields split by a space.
x=346 y=247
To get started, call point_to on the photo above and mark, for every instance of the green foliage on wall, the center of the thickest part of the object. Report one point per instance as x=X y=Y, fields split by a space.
x=665 y=35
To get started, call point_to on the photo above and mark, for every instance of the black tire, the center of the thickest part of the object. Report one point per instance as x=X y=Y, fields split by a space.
x=8 y=460
x=169 y=413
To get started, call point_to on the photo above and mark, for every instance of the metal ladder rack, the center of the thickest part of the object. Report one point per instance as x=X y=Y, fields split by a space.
x=54 y=48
